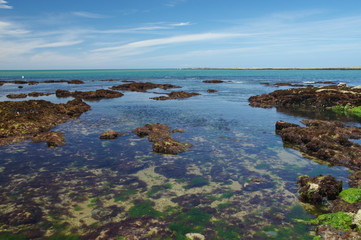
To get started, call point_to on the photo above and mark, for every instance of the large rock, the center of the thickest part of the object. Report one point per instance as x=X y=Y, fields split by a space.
x=326 y=140
x=24 y=119
x=142 y=87
x=176 y=95
x=89 y=95
x=316 y=190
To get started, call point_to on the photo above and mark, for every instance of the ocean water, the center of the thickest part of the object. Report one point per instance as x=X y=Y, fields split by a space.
x=238 y=181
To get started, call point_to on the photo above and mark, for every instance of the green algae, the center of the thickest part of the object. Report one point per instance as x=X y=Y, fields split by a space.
x=227 y=232
x=347 y=110
x=295 y=231
x=339 y=220
x=64 y=237
x=9 y=236
x=197 y=182
x=351 y=195
x=193 y=220
x=157 y=188
x=144 y=209
x=124 y=195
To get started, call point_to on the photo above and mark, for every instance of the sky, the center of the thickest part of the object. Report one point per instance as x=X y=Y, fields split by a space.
x=130 y=34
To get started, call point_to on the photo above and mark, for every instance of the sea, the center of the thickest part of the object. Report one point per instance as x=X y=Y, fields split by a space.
x=238 y=181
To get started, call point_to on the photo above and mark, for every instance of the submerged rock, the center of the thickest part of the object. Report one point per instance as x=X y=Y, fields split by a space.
x=176 y=95
x=213 y=81
x=355 y=179
x=111 y=134
x=15 y=96
x=22 y=214
x=326 y=140
x=53 y=139
x=316 y=190
x=22 y=120
x=90 y=95
x=163 y=142
x=142 y=87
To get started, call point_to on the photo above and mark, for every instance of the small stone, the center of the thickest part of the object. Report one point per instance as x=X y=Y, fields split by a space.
x=195 y=236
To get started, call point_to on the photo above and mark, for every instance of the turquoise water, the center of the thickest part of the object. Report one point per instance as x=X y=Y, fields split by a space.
x=247 y=188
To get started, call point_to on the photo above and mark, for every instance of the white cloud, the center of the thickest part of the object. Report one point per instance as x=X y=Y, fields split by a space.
x=88 y=14
x=169 y=40
x=10 y=29
x=4 y=5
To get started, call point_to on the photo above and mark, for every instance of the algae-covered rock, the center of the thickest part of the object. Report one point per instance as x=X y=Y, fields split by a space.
x=312 y=98
x=89 y=95
x=316 y=190
x=326 y=140
x=111 y=134
x=160 y=135
x=176 y=95
x=53 y=139
x=24 y=119
x=142 y=87
x=351 y=195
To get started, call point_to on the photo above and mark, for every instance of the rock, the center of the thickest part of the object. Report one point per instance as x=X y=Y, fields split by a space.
x=14 y=96
x=311 y=98
x=195 y=236
x=325 y=140
x=111 y=134
x=355 y=179
x=142 y=87
x=90 y=95
x=38 y=94
x=213 y=81
x=341 y=85
x=316 y=190
x=212 y=90
x=160 y=135
x=75 y=81
x=176 y=95
x=23 y=119
x=53 y=139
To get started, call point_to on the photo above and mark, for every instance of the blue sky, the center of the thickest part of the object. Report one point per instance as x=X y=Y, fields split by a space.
x=108 y=34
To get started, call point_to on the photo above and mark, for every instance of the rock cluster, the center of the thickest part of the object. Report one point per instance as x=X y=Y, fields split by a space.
x=176 y=95
x=89 y=95
x=326 y=140
x=163 y=142
x=142 y=87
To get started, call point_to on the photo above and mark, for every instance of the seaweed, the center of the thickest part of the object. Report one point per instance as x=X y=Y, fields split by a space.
x=351 y=195
x=338 y=220
x=144 y=209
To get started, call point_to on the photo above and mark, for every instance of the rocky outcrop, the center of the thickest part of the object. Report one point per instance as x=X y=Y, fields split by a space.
x=142 y=87
x=53 y=139
x=163 y=142
x=313 y=98
x=176 y=95
x=213 y=81
x=24 y=119
x=89 y=95
x=326 y=140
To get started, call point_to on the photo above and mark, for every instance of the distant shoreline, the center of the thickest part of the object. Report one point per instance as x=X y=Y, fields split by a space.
x=286 y=68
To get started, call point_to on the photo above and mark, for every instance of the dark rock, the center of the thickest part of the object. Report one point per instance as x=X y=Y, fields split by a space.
x=53 y=139
x=22 y=120
x=328 y=232
x=142 y=87
x=355 y=179
x=313 y=98
x=212 y=90
x=14 y=96
x=325 y=140
x=111 y=134
x=316 y=190
x=176 y=95
x=38 y=94
x=75 y=81
x=90 y=95
x=213 y=81
x=160 y=135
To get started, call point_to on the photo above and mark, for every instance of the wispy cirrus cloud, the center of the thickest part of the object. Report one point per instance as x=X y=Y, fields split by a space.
x=4 y=4
x=169 y=40
x=88 y=15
